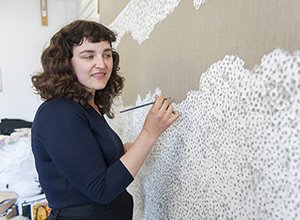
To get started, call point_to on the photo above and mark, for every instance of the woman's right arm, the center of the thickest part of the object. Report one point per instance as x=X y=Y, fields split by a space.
x=159 y=118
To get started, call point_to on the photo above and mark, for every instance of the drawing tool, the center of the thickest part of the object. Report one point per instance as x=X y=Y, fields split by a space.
x=140 y=106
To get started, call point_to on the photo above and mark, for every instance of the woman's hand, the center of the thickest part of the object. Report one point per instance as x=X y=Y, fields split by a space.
x=159 y=118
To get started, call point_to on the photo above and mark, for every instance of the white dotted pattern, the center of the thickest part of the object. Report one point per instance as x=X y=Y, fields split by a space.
x=140 y=17
x=233 y=154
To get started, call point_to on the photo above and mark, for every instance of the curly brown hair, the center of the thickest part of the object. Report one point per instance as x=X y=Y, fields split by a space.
x=58 y=78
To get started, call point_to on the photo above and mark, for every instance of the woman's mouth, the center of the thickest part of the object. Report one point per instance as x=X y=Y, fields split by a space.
x=98 y=75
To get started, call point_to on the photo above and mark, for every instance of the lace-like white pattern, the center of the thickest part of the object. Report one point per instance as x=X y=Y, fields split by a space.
x=235 y=151
x=198 y=3
x=140 y=17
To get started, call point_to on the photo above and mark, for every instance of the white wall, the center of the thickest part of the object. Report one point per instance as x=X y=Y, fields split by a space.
x=22 y=38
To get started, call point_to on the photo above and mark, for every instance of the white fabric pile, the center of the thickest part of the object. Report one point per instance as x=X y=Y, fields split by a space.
x=17 y=168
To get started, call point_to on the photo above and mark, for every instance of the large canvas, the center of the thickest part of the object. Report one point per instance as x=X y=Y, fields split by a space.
x=233 y=70
x=234 y=153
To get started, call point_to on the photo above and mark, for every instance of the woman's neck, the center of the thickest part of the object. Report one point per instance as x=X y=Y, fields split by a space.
x=94 y=106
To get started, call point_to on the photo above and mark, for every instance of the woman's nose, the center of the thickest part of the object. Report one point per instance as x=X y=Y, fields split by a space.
x=100 y=63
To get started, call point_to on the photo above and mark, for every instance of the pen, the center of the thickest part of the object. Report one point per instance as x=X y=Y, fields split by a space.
x=139 y=106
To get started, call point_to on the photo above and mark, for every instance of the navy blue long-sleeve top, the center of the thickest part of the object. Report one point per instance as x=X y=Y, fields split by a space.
x=77 y=155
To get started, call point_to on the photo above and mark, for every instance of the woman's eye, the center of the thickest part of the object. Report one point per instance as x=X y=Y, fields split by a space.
x=107 y=55
x=89 y=57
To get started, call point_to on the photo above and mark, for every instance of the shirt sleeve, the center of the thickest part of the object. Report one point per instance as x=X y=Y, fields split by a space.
x=68 y=139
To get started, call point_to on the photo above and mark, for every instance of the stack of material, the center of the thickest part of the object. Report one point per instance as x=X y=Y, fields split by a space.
x=7 y=205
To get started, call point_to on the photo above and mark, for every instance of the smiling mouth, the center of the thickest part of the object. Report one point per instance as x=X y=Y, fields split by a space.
x=98 y=74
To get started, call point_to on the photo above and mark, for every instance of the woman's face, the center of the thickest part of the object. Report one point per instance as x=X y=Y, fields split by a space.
x=92 y=63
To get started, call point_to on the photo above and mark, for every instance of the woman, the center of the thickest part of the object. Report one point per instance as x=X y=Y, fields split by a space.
x=83 y=166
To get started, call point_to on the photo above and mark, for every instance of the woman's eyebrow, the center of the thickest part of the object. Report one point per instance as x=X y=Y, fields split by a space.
x=107 y=49
x=93 y=51
x=86 y=51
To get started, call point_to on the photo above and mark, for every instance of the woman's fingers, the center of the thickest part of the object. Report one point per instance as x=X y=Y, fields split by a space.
x=165 y=110
x=159 y=100
x=174 y=116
